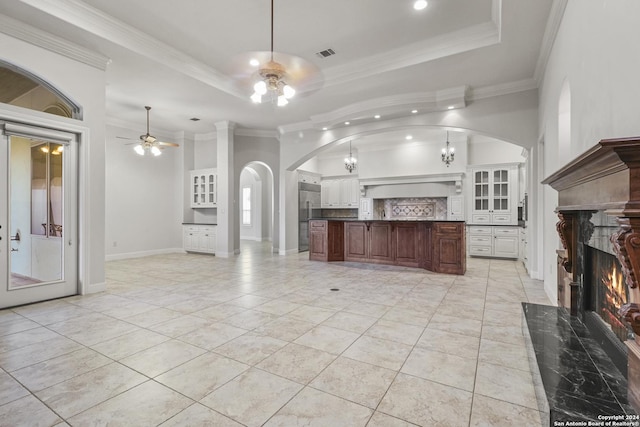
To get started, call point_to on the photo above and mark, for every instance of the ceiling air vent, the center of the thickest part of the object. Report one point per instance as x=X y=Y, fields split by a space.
x=326 y=53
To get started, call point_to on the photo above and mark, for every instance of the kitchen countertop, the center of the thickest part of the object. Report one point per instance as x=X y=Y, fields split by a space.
x=199 y=223
x=383 y=220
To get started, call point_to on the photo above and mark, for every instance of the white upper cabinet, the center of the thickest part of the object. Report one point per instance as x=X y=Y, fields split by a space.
x=203 y=188
x=494 y=195
x=340 y=193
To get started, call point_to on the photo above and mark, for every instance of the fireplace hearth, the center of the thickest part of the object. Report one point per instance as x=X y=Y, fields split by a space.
x=599 y=266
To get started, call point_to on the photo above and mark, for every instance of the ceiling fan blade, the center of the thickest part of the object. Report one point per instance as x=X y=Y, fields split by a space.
x=168 y=144
x=303 y=75
x=125 y=138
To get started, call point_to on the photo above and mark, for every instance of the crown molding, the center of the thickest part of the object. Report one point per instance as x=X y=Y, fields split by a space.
x=425 y=101
x=550 y=32
x=98 y=23
x=474 y=37
x=442 y=97
x=412 y=179
x=37 y=37
x=257 y=133
x=209 y=136
x=502 y=89
x=296 y=127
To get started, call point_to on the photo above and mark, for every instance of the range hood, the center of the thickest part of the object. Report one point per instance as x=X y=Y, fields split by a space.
x=433 y=185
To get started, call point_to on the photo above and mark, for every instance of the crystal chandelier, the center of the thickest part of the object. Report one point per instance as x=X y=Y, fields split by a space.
x=448 y=153
x=350 y=163
x=273 y=83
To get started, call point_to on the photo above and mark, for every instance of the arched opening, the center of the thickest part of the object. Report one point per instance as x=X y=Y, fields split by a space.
x=256 y=204
x=23 y=89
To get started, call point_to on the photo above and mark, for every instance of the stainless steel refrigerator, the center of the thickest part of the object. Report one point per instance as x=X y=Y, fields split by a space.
x=308 y=208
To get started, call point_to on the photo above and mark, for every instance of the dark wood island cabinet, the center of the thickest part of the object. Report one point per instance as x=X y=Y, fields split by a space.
x=437 y=246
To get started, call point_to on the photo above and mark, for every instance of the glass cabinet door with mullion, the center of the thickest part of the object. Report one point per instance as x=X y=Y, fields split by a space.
x=500 y=190
x=481 y=191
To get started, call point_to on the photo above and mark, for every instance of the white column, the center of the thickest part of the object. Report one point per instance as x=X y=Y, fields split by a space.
x=226 y=190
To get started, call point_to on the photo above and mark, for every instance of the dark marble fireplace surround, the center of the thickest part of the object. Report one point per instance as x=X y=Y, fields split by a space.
x=586 y=370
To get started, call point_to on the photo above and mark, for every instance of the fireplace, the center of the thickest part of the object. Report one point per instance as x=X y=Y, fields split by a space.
x=605 y=294
x=599 y=266
x=608 y=292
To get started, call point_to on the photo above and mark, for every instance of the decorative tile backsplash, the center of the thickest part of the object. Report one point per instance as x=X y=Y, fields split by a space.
x=416 y=208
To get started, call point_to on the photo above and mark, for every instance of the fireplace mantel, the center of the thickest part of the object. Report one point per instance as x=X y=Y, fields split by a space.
x=604 y=178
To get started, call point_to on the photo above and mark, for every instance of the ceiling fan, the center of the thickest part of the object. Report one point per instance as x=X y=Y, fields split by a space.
x=274 y=77
x=149 y=143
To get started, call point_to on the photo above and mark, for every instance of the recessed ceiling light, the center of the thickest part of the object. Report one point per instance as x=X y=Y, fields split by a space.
x=420 y=4
x=324 y=128
x=347 y=123
x=450 y=107
x=254 y=62
x=408 y=137
x=377 y=116
x=414 y=111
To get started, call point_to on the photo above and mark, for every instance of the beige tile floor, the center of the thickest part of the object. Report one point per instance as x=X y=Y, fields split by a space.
x=261 y=339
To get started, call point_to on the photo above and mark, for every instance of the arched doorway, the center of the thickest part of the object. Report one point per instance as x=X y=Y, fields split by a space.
x=256 y=204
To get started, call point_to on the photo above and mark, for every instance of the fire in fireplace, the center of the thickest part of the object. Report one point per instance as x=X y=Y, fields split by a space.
x=610 y=292
x=605 y=292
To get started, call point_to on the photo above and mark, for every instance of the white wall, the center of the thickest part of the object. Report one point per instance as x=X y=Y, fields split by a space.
x=144 y=199
x=88 y=92
x=595 y=51
x=483 y=151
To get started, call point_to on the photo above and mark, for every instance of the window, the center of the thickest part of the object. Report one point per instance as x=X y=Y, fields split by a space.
x=23 y=89
x=246 y=205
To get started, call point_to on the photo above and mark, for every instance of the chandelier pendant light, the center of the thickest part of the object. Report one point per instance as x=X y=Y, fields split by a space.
x=273 y=80
x=350 y=163
x=448 y=153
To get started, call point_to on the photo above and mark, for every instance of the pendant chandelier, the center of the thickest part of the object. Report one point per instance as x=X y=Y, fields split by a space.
x=272 y=84
x=448 y=153
x=350 y=163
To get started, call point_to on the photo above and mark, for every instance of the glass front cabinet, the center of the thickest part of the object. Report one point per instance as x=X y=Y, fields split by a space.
x=494 y=198
x=203 y=188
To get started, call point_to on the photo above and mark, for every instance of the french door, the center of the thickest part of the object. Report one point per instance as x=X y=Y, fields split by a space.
x=38 y=214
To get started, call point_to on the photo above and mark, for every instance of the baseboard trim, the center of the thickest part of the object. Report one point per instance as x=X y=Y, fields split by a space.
x=287 y=251
x=93 y=288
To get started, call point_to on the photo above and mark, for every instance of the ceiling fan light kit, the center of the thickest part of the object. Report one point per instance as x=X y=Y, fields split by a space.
x=149 y=143
x=273 y=80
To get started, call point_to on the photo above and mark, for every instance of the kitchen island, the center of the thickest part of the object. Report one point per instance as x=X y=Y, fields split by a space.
x=437 y=246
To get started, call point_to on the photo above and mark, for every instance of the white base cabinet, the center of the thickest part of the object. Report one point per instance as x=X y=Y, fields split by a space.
x=199 y=238
x=493 y=241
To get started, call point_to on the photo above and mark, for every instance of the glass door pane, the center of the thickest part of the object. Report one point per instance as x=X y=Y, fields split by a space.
x=36 y=212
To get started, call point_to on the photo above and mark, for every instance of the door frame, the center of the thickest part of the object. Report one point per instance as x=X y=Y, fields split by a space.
x=23 y=116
